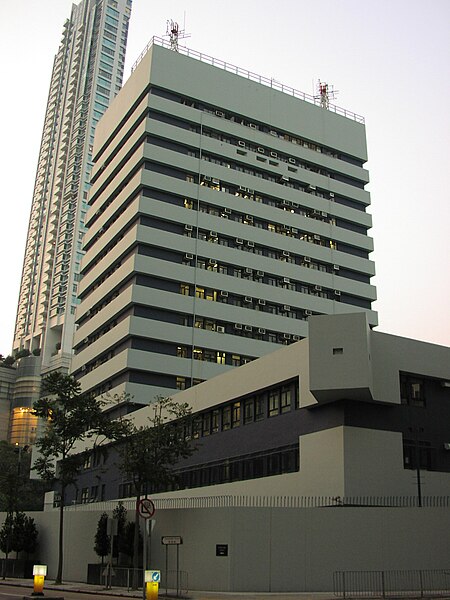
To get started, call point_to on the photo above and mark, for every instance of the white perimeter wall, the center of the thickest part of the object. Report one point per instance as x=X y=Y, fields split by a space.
x=270 y=549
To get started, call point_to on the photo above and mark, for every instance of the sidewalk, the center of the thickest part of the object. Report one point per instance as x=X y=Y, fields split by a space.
x=84 y=588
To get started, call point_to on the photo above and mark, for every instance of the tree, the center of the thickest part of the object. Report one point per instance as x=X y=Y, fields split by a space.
x=30 y=536
x=18 y=533
x=120 y=514
x=102 y=543
x=71 y=417
x=149 y=453
x=6 y=533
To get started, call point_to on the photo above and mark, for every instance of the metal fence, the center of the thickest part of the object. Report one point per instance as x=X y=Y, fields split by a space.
x=172 y=582
x=392 y=584
x=267 y=81
x=231 y=501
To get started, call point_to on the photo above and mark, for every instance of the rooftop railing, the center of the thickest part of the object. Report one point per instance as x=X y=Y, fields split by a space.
x=269 y=82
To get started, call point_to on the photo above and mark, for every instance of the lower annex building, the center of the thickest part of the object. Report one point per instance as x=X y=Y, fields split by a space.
x=346 y=413
x=223 y=214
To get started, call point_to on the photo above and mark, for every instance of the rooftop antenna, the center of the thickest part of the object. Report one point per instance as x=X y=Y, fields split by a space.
x=174 y=33
x=325 y=92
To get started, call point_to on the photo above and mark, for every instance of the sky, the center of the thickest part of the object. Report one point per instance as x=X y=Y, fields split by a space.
x=389 y=61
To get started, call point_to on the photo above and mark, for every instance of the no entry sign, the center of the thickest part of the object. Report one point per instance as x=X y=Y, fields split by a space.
x=146 y=508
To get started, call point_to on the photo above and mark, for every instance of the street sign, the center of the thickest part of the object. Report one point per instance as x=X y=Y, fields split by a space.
x=155 y=576
x=146 y=508
x=171 y=540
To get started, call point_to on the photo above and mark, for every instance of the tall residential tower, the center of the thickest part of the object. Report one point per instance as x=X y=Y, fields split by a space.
x=223 y=213
x=87 y=74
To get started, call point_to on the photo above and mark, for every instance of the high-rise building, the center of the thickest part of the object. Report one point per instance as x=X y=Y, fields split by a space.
x=87 y=74
x=223 y=213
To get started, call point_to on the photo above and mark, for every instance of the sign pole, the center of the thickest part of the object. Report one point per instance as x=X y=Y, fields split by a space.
x=167 y=567
x=144 y=558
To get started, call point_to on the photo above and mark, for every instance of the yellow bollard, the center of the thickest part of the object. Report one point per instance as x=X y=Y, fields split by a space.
x=151 y=590
x=151 y=580
x=39 y=573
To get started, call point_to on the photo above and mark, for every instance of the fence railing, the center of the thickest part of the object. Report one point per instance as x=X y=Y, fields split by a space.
x=226 y=66
x=173 y=581
x=392 y=584
x=232 y=501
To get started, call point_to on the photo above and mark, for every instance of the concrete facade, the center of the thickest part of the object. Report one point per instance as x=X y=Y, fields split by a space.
x=222 y=214
x=269 y=549
x=271 y=427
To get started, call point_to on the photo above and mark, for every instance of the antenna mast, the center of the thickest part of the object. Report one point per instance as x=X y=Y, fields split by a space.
x=174 y=33
x=325 y=92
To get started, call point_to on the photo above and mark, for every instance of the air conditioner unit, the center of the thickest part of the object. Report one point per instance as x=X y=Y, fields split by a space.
x=306 y=259
x=292 y=160
x=261 y=330
x=317 y=238
x=261 y=302
x=219 y=113
x=242 y=188
x=286 y=307
x=188 y=227
x=261 y=149
x=248 y=270
x=260 y=273
x=224 y=216
x=253 y=126
x=212 y=261
x=337 y=293
x=324 y=214
x=286 y=280
x=241 y=143
x=274 y=133
x=251 y=244
x=220 y=329
x=296 y=338
x=213 y=234
x=238 y=326
x=224 y=294
x=216 y=181
x=312 y=188
x=335 y=267
x=83 y=368
x=239 y=241
x=249 y=218
x=248 y=299
x=274 y=154
x=227 y=211
x=294 y=230
x=308 y=313
x=206 y=178
x=331 y=195
x=189 y=256
x=286 y=253
x=287 y=336
x=248 y=328
x=284 y=178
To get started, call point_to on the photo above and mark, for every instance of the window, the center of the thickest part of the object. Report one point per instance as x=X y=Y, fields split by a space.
x=236 y=415
x=259 y=408
x=215 y=421
x=226 y=418
x=412 y=390
x=248 y=410
x=84 y=495
x=274 y=402
x=206 y=427
x=184 y=289
x=181 y=383
x=285 y=400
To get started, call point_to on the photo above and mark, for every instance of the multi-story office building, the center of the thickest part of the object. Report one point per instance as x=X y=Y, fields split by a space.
x=87 y=74
x=223 y=213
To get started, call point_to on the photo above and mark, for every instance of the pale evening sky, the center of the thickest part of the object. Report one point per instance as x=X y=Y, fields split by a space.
x=389 y=59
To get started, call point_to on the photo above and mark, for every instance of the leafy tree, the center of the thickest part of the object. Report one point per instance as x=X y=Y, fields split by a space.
x=17 y=490
x=30 y=536
x=6 y=533
x=149 y=453
x=102 y=543
x=18 y=533
x=128 y=545
x=71 y=417
x=8 y=361
x=120 y=514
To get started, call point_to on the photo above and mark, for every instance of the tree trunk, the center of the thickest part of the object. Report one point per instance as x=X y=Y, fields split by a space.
x=136 y=544
x=61 y=533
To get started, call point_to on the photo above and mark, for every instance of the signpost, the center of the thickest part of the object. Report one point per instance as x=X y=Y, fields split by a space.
x=172 y=540
x=146 y=509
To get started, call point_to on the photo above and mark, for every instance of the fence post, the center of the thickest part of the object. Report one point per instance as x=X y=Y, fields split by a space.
x=343 y=584
x=421 y=584
x=382 y=584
